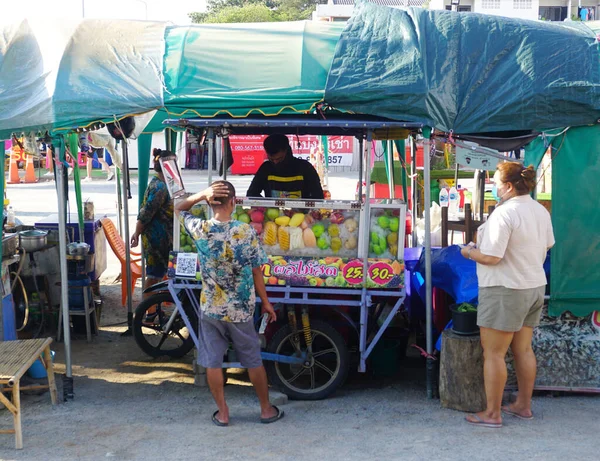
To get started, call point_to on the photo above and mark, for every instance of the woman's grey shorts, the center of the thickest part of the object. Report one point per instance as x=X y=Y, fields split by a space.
x=215 y=336
x=506 y=309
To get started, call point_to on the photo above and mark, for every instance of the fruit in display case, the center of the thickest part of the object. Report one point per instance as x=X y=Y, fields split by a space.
x=310 y=233
x=270 y=234
x=258 y=227
x=384 y=222
x=257 y=216
x=392 y=238
x=322 y=243
x=336 y=244
x=296 y=219
x=333 y=230
x=272 y=213
x=336 y=217
x=296 y=238
x=243 y=217
x=310 y=240
x=282 y=221
x=318 y=229
x=351 y=225
x=351 y=243
x=384 y=237
x=284 y=238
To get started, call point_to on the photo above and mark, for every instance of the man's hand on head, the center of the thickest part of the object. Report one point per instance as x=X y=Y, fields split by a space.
x=215 y=193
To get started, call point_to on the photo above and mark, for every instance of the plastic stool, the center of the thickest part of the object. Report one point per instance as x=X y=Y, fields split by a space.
x=89 y=306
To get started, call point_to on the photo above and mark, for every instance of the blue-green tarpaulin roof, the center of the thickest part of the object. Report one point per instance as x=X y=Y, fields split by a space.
x=466 y=72
x=70 y=73
x=241 y=68
x=76 y=72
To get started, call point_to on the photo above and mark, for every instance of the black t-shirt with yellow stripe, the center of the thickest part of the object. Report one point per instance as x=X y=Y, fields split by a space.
x=292 y=178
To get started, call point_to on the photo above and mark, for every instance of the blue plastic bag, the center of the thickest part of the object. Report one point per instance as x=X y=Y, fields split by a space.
x=451 y=272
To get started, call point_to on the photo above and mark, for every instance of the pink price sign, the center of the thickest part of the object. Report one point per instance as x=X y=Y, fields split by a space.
x=381 y=273
x=353 y=272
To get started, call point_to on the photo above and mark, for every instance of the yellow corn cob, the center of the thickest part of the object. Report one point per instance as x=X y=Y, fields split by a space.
x=270 y=234
x=284 y=238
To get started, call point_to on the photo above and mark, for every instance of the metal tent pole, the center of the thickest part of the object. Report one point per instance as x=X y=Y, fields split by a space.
x=360 y=168
x=391 y=178
x=119 y=201
x=413 y=189
x=211 y=151
x=364 y=299
x=126 y=237
x=428 y=293
x=64 y=277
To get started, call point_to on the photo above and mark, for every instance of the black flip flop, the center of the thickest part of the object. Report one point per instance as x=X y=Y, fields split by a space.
x=272 y=419
x=216 y=422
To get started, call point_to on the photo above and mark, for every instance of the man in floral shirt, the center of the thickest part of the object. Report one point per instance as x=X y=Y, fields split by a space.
x=230 y=259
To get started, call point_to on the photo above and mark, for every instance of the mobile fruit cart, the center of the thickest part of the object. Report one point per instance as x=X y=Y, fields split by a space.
x=332 y=265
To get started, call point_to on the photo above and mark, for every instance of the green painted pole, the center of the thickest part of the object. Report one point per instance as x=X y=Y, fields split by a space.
x=144 y=153
x=2 y=168
x=72 y=140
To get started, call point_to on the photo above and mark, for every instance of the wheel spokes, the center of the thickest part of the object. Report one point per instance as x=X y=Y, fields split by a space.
x=296 y=376
x=326 y=351
x=324 y=368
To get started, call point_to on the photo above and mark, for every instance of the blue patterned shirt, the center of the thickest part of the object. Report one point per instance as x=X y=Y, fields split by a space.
x=228 y=251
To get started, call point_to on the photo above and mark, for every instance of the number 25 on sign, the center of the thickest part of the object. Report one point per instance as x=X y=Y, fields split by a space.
x=353 y=272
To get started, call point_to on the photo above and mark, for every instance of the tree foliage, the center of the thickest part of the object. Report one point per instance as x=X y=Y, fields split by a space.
x=222 y=11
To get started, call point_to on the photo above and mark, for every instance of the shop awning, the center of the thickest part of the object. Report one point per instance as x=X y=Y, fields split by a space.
x=469 y=73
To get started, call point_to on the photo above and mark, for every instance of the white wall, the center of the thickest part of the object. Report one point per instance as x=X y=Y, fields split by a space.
x=507 y=9
x=158 y=140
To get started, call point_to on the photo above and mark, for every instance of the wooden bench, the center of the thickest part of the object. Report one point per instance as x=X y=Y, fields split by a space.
x=119 y=249
x=15 y=359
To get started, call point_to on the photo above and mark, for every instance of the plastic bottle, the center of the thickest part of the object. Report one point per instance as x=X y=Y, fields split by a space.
x=443 y=197
x=10 y=217
x=453 y=199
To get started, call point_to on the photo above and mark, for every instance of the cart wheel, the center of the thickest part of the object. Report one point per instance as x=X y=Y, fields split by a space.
x=151 y=315
x=327 y=369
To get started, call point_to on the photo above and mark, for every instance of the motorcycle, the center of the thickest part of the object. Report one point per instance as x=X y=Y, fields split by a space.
x=158 y=328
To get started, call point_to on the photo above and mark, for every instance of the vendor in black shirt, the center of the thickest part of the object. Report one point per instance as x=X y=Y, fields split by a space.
x=283 y=175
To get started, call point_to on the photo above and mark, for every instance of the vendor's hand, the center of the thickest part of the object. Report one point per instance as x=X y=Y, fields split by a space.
x=268 y=309
x=135 y=238
x=214 y=193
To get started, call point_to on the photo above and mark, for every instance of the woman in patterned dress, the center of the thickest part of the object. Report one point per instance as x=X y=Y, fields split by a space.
x=155 y=224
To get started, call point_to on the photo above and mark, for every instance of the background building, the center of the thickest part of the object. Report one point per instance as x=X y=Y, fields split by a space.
x=548 y=10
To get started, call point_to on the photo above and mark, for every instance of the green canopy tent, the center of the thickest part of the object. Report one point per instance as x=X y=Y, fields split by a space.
x=477 y=74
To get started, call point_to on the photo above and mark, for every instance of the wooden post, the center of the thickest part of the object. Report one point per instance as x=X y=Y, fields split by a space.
x=461 y=373
x=16 y=398
x=50 y=372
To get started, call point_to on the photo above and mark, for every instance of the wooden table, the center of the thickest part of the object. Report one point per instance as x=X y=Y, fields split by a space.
x=15 y=359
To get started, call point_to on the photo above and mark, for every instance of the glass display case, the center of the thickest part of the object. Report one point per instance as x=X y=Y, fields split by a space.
x=323 y=243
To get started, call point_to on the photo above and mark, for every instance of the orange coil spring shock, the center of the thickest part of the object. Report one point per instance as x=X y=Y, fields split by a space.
x=306 y=328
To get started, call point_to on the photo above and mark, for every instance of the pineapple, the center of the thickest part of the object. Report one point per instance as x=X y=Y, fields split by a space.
x=284 y=238
x=270 y=234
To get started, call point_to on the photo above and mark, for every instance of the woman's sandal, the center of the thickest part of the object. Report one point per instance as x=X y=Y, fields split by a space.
x=480 y=422
x=508 y=411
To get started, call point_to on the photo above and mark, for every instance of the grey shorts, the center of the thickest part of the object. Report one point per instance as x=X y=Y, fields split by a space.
x=215 y=336
x=506 y=309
